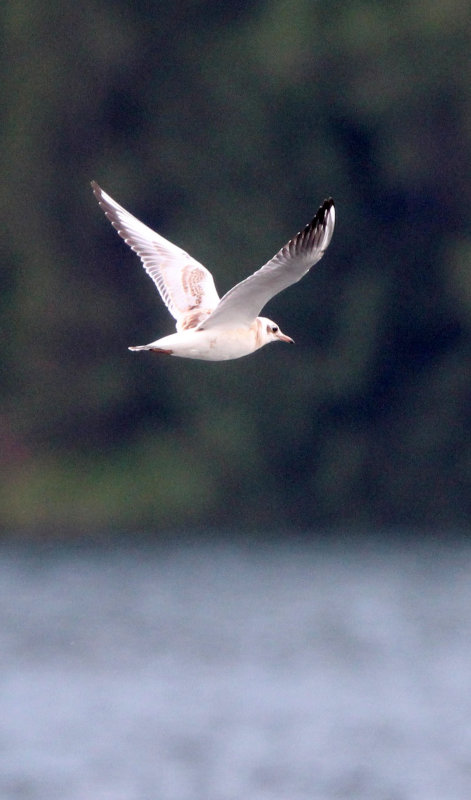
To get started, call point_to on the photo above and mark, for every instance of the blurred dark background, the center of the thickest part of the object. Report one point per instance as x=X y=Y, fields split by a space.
x=223 y=126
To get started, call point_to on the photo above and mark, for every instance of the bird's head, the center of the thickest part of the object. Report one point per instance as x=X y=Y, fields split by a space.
x=270 y=332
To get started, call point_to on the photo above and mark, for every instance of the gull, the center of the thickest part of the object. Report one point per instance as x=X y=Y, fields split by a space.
x=210 y=328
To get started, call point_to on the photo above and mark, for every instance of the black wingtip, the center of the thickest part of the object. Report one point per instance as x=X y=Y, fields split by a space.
x=320 y=219
x=319 y=231
x=324 y=209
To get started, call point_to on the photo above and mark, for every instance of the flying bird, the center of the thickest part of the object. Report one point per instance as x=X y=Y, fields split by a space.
x=210 y=328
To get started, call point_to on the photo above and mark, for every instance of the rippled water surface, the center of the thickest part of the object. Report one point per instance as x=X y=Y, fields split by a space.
x=251 y=672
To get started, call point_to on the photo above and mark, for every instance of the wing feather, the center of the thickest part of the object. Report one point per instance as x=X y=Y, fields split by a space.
x=186 y=286
x=244 y=302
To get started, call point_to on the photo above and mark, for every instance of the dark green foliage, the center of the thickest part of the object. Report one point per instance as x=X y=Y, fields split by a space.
x=224 y=130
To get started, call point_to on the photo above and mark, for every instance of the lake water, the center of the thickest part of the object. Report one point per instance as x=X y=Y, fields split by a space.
x=236 y=672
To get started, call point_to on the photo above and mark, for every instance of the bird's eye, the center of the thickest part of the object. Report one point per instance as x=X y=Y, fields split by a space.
x=274 y=329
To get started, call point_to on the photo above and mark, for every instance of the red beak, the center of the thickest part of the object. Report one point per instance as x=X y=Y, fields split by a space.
x=283 y=338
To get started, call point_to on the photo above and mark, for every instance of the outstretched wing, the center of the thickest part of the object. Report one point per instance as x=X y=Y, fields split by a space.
x=186 y=286
x=241 y=304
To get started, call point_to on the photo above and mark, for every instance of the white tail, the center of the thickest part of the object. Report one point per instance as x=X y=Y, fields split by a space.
x=154 y=349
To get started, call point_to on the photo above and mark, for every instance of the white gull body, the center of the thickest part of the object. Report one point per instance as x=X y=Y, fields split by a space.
x=210 y=328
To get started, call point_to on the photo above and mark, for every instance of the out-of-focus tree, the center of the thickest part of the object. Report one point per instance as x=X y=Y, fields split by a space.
x=223 y=127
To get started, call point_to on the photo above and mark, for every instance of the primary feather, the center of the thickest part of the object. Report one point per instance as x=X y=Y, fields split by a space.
x=186 y=286
x=244 y=302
